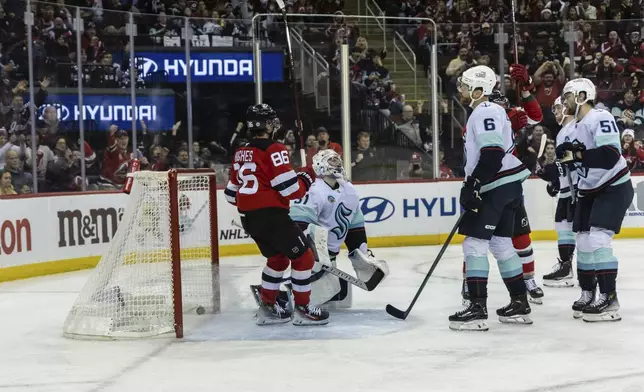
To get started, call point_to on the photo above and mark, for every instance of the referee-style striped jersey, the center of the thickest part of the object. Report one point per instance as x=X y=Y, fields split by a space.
x=262 y=177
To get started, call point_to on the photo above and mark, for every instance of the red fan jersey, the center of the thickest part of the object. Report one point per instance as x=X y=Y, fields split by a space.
x=262 y=177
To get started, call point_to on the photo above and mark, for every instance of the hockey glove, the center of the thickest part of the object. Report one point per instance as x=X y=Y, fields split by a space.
x=519 y=73
x=574 y=148
x=470 y=194
x=518 y=119
x=553 y=188
x=306 y=179
x=551 y=172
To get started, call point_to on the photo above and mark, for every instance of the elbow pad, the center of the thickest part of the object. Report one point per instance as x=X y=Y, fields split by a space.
x=604 y=157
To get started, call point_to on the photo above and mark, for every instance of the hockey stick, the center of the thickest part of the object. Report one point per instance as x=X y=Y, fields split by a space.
x=542 y=145
x=399 y=314
x=516 y=45
x=291 y=66
x=369 y=285
x=568 y=159
x=187 y=225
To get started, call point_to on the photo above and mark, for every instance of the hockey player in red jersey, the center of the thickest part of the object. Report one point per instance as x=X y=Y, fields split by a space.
x=529 y=114
x=262 y=182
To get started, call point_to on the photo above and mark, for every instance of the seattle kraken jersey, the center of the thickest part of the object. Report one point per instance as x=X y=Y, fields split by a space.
x=566 y=134
x=598 y=129
x=336 y=210
x=489 y=126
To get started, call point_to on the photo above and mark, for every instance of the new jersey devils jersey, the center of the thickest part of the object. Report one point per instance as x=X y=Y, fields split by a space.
x=262 y=177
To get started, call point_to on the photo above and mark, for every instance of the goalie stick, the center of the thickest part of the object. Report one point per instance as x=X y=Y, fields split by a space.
x=369 y=285
x=399 y=314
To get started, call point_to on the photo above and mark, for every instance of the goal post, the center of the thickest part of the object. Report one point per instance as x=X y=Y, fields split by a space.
x=162 y=264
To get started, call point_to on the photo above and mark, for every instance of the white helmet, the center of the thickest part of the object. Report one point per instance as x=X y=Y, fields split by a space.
x=579 y=85
x=479 y=77
x=327 y=163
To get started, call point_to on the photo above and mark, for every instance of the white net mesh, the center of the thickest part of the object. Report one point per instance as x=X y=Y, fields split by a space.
x=130 y=293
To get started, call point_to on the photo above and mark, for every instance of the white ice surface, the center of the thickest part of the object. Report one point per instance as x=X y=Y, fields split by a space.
x=362 y=349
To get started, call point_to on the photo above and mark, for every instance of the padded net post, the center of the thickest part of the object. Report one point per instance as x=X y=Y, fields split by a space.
x=161 y=264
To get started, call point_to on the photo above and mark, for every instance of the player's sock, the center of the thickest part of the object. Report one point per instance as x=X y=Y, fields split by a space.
x=585 y=262
x=605 y=269
x=523 y=246
x=272 y=278
x=512 y=275
x=301 y=278
x=566 y=244
x=477 y=271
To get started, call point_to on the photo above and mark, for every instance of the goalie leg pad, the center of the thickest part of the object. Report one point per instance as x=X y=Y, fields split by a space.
x=366 y=265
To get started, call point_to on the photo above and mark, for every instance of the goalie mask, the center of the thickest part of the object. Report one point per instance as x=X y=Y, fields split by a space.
x=327 y=163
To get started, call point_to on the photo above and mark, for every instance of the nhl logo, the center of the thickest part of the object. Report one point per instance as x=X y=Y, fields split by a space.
x=331 y=199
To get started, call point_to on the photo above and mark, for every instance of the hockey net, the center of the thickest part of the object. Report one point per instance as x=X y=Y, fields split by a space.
x=161 y=263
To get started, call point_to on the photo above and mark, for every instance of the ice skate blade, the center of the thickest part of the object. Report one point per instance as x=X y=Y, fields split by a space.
x=516 y=319
x=601 y=317
x=536 y=301
x=577 y=314
x=562 y=283
x=262 y=321
x=474 y=325
x=305 y=322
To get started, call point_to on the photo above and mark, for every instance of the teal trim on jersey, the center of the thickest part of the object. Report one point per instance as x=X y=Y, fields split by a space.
x=520 y=176
x=357 y=221
x=303 y=213
x=622 y=180
x=608 y=139
x=489 y=139
x=511 y=267
x=604 y=259
x=477 y=267
x=565 y=237
x=585 y=261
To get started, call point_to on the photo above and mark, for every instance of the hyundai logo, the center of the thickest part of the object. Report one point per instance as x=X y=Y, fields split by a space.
x=62 y=111
x=146 y=66
x=376 y=209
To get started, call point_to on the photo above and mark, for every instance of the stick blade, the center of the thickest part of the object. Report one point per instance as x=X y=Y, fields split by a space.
x=395 y=312
x=542 y=145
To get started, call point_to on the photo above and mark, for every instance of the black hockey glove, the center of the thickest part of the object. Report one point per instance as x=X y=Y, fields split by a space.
x=306 y=179
x=470 y=194
x=553 y=188
x=551 y=172
x=574 y=148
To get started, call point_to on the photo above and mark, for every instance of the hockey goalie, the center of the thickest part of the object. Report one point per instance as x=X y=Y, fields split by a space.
x=330 y=215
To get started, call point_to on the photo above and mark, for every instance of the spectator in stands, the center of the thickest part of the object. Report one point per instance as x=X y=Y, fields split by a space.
x=628 y=148
x=324 y=143
x=415 y=169
x=15 y=117
x=613 y=47
x=636 y=61
x=312 y=148
x=6 y=187
x=460 y=64
x=44 y=155
x=414 y=124
x=529 y=147
x=589 y=11
x=628 y=102
x=363 y=160
x=13 y=165
x=5 y=146
x=197 y=159
x=116 y=157
x=62 y=170
x=550 y=79
x=182 y=159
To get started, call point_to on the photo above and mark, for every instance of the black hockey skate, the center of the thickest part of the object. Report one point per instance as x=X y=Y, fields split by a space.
x=465 y=293
x=310 y=315
x=268 y=314
x=587 y=297
x=284 y=298
x=535 y=294
x=561 y=275
x=472 y=318
x=516 y=312
x=605 y=308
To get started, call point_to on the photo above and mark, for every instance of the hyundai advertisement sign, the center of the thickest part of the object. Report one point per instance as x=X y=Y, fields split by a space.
x=211 y=67
x=156 y=111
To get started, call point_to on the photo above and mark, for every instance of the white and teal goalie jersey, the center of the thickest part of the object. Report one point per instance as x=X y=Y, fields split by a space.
x=489 y=126
x=336 y=210
x=598 y=129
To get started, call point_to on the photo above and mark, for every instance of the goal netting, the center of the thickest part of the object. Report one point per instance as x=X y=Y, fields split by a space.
x=161 y=263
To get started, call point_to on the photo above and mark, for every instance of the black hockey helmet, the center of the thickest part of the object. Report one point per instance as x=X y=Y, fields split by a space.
x=499 y=98
x=258 y=117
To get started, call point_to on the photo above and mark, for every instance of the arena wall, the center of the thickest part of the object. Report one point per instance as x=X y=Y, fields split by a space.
x=48 y=234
